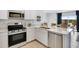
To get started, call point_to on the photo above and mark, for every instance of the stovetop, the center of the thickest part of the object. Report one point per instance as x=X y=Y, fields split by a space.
x=16 y=31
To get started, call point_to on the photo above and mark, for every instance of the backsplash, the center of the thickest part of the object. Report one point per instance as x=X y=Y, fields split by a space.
x=20 y=22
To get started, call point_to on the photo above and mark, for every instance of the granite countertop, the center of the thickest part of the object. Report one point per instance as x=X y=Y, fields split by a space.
x=33 y=27
x=3 y=30
x=54 y=30
x=59 y=31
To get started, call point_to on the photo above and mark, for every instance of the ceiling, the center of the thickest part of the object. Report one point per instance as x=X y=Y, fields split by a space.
x=57 y=11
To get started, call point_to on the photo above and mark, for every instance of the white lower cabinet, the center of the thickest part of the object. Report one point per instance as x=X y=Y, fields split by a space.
x=41 y=35
x=36 y=33
x=3 y=40
x=51 y=40
x=59 y=41
x=44 y=37
x=55 y=40
x=67 y=41
x=30 y=34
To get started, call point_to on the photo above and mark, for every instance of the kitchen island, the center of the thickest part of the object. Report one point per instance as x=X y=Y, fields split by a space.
x=59 y=38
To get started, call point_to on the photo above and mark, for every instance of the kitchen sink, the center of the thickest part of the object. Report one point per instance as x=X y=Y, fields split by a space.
x=45 y=27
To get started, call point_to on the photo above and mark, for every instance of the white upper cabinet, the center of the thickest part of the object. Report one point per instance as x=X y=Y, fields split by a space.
x=30 y=14
x=3 y=14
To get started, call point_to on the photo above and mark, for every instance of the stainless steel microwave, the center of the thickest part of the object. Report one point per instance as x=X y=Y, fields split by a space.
x=16 y=15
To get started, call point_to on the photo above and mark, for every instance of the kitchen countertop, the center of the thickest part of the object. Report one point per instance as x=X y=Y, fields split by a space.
x=54 y=30
x=58 y=31
x=3 y=30
x=33 y=27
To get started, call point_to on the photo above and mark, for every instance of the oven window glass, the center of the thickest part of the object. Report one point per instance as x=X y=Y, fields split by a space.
x=16 y=38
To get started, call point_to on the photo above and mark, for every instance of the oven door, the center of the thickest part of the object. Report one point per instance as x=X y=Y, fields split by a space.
x=16 y=38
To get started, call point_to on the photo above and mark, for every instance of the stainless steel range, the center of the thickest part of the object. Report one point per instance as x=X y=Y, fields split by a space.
x=16 y=34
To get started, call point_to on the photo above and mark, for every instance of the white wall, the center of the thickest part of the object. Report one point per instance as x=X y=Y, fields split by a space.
x=69 y=15
x=43 y=18
x=51 y=18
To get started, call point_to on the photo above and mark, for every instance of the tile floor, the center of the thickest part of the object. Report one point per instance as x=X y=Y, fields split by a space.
x=74 y=42
x=34 y=44
x=74 y=38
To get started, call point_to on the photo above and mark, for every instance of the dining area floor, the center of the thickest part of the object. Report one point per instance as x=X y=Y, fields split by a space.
x=74 y=40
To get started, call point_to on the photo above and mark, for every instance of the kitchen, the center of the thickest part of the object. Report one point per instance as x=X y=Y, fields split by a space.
x=50 y=28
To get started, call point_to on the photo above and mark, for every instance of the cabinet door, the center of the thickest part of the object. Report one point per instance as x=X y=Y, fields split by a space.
x=4 y=40
x=30 y=34
x=51 y=40
x=0 y=41
x=59 y=41
x=3 y=14
x=38 y=34
x=44 y=36
x=30 y=14
x=41 y=35
x=3 y=25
